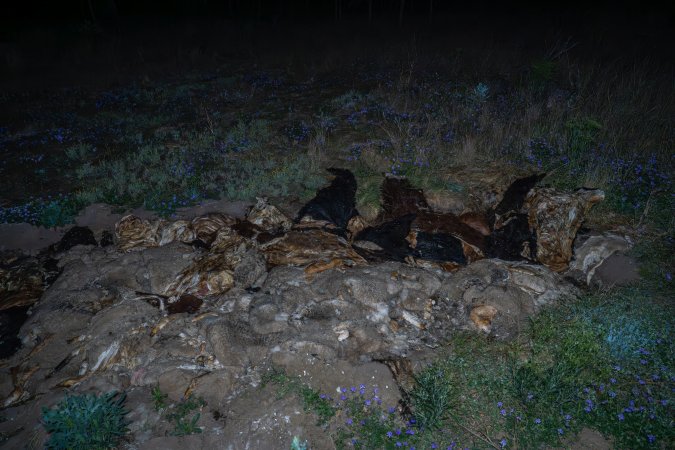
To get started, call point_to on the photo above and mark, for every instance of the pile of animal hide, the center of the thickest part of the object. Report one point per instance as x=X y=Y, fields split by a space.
x=530 y=223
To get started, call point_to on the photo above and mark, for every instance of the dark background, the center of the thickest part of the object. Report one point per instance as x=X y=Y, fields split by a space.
x=103 y=42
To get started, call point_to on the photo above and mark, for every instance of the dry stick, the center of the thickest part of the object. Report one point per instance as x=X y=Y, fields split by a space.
x=646 y=210
x=209 y=122
x=482 y=438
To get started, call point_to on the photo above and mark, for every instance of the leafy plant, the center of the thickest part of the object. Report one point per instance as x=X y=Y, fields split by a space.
x=159 y=398
x=48 y=212
x=86 y=422
x=185 y=427
x=313 y=401
x=182 y=425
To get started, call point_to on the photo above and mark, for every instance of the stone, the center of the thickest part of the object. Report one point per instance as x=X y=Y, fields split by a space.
x=496 y=297
x=616 y=270
x=595 y=251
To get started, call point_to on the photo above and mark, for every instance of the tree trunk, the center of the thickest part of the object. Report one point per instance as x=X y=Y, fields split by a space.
x=91 y=11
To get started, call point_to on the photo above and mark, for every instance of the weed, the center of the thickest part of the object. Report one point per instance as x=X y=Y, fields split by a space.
x=350 y=101
x=312 y=401
x=582 y=134
x=542 y=73
x=158 y=398
x=480 y=93
x=430 y=398
x=184 y=427
x=179 y=415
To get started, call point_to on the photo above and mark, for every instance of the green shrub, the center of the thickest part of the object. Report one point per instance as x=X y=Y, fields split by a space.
x=297 y=445
x=542 y=72
x=582 y=133
x=86 y=422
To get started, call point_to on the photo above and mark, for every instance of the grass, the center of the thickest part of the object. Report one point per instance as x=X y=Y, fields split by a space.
x=168 y=145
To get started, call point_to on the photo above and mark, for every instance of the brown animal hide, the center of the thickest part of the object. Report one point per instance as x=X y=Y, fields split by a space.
x=435 y=223
x=399 y=198
x=206 y=227
x=133 y=232
x=556 y=217
x=268 y=217
x=20 y=285
x=482 y=317
x=477 y=221
x=309 y=246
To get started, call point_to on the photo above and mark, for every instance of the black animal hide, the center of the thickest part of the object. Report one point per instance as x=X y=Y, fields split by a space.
x=335 y=203
x=390 y=236
x=507 y=242
x=438 y=247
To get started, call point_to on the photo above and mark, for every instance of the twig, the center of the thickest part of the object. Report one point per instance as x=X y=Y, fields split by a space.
x=646 y=210
x=209 y=121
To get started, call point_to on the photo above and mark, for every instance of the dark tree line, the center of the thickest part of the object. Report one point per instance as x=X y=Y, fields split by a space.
x=289 y=10
x=286 y=9
x=392 y=11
